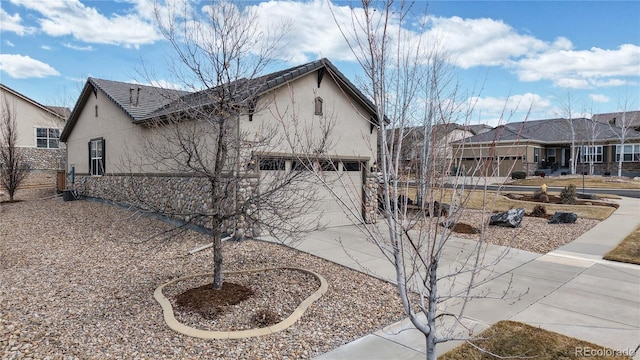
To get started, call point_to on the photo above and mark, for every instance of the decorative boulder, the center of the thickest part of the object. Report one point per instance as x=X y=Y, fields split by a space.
x=439 y=209
x=510 y=218
x=563 y=218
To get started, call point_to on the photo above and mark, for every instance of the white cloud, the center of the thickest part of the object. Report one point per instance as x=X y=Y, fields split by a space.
x=165 y=84
x=581 y=69
x=599 y=98
x=13 y=23
x=23 y=67
x=9 y=43
x=45 y=47
x=84 y=23
x=481 y=42
x=499 y=110
x=79 y=48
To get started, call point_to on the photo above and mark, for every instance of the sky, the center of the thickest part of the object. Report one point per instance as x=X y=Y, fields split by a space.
x=505 y=55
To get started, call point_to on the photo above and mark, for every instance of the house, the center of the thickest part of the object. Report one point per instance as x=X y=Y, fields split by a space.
x=441 y=137
x=38 y=128
x=109 y=130
x=550 y=145
x=629 y=119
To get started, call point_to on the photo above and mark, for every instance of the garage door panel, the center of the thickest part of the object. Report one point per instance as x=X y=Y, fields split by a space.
x=336 y=196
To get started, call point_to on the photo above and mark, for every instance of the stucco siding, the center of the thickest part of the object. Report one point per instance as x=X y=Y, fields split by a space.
x=28 y=118
x=289 y=111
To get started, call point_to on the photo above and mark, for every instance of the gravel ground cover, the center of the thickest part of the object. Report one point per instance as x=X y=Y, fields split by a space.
x=77 y=281
x=534 y=234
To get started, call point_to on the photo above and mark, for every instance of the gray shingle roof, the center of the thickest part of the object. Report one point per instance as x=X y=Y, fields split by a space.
x=143 y=103
x=632 y=118
x=246 y=89
x=550 y=131
x=137 y=101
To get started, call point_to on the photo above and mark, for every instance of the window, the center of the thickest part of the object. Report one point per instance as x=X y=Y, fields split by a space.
x=630 y=152
x=351 y=166
x=272 y=164
x=328 y=165
x=551 y=156
x=591 y=153
x=536 y=155
x=96 y=157
x=318 y=106
x=47 y=138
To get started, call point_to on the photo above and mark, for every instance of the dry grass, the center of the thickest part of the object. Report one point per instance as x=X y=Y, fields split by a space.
x=517 y=340
x=628 y=251
x=478 y=200
x=589 y=181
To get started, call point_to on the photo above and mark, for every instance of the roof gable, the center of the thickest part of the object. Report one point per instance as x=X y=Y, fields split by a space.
x=142 y=103
x=58 y=112
x=245 y=90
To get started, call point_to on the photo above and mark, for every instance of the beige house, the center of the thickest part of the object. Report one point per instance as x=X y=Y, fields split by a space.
x=38 y=128
x=309 y=112
x=549 y=146
x=441 y=138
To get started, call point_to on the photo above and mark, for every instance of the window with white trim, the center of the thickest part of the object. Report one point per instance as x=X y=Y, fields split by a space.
x=47 y=138
x=630 y=152
x=96 y=157
x=591 y=153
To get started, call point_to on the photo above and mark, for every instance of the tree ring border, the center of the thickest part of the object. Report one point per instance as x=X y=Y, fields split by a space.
x=174 y=324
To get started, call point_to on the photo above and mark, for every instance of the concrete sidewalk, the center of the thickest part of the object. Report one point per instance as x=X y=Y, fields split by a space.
x=571 y=290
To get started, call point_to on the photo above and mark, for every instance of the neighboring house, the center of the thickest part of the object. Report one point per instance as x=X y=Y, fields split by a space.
x=630 y=119
x=112 y=120
x=441 y=138
x=39 y=129
x=547 y=144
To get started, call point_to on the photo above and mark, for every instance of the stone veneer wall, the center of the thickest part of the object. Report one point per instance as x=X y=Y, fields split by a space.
x=370 y=199
x=190 y=195
x=175 y=196
x=43 y=163
x=44 y=159
x=601 y=168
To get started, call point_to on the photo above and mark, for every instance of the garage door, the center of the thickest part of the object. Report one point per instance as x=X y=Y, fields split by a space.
x=333 y=200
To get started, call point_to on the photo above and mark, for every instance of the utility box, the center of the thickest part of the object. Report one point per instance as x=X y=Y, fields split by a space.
x=67 y=195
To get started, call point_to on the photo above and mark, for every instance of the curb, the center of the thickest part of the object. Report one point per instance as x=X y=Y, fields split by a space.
x=174 y=324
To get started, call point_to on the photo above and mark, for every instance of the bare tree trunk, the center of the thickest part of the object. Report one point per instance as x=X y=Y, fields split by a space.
x=13 y=168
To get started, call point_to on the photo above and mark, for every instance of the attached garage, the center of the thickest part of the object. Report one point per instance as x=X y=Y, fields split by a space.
x=335 y=189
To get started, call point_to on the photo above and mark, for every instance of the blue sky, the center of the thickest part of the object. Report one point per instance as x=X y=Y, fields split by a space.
x=528 y=52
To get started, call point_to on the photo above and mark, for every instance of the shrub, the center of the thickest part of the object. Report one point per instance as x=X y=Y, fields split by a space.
x=568 y=194
x=539 y=211
x=518 y=175
x=264 y=318
x=541 y=196
x=540 y=173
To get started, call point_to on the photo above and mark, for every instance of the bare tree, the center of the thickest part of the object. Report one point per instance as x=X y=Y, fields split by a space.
x=622 y=127
x=593 y=130
x=567 y=106
x=13 y=167
x=220 y=54
x=407 y=86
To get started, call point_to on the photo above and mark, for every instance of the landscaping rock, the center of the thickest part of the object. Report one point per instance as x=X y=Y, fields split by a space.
x=404 y=200
x=563 y=218
x=586 y=196
x=510 y=218
x=439 y=209
x=516 y=196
